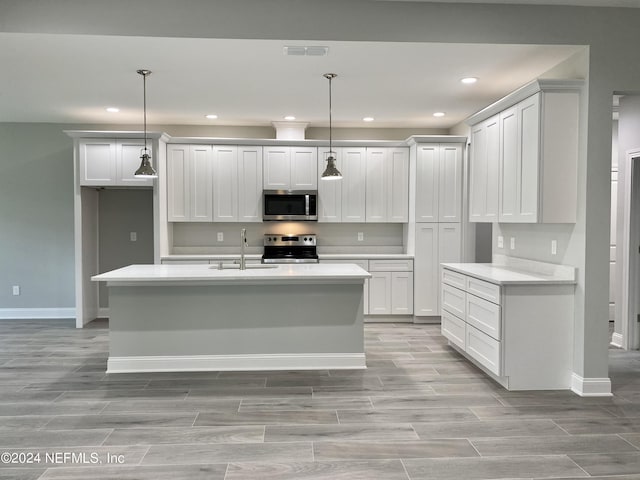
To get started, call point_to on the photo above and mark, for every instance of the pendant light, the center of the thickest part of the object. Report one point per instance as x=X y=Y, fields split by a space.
x=145 y=170
x=331 y=172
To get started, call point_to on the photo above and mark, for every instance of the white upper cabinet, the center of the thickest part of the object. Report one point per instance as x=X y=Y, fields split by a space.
x=290 y=168
x=110 y=162
x=250 y=184
x=537 y=155
x=329 y=191
x=438 y=183
x=353 y=166
x=225 y=184
x=189 y=183
x=387 y=185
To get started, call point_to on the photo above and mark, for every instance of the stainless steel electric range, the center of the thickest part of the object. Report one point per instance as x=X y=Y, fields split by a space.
x=290 y=248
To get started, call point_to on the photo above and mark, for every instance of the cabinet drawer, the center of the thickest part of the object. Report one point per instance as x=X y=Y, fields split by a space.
x=484 y=349
x=391 y=265
x=453 y=300
x=453 y=328
x=364 y=264
x=482 y=289
x=483 y=315
x=454 y=279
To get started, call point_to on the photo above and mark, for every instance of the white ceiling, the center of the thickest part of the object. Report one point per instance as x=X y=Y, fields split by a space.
x=73 y=78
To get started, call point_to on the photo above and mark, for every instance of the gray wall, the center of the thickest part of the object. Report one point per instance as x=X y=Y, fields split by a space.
x=121 y=212
x=36 y=216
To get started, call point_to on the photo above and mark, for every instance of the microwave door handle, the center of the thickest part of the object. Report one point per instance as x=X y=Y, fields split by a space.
x=306 y=205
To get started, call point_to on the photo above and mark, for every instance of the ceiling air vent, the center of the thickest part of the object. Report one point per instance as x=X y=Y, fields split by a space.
x=300 y=51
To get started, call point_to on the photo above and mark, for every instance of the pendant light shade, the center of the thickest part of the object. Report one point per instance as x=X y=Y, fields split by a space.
x=145 y=170
x=331 y=172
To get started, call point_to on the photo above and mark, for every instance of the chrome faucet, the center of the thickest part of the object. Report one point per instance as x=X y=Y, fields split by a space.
x=243 y=244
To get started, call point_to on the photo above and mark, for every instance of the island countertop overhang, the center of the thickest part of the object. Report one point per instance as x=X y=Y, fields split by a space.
x=211 y=275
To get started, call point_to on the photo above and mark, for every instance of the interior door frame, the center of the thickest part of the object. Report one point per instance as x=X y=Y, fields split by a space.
x=629 y=255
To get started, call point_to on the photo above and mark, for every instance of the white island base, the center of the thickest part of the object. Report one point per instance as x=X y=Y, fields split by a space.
x=167 y=318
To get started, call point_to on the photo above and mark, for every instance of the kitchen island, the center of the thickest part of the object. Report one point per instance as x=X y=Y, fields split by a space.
x=166 y=318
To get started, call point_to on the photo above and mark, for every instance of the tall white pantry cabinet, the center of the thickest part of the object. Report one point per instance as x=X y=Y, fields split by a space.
x=435 y=219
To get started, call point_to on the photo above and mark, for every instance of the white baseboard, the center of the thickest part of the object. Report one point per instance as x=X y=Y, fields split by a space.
x=195 y=363
x=617 y=340
x=36 y=313
x=103 y=312
x=591 y=387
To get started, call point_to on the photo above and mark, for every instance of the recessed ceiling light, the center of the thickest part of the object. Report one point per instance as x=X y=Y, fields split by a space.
x=368 y=119
x=438 y=114
x=112 y=109
x=211 y=116
x=469 y=80
x=289 y=117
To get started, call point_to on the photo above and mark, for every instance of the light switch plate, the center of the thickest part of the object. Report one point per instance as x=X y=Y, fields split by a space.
x=554 y=247
x=221 y=236
x=133 y=236
x=16 y=289
x=513 y=243
x=500 y=241
x=361 y=236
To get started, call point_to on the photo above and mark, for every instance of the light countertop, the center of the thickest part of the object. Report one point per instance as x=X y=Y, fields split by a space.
x=321 y=256
x=502 y=274
x=162 y=274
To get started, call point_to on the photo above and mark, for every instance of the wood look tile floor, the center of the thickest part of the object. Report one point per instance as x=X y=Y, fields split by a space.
x=420 y=411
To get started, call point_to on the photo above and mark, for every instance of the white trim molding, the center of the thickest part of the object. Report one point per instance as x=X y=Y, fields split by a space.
x=200 y=363
x=36 y=313
x=590 y=387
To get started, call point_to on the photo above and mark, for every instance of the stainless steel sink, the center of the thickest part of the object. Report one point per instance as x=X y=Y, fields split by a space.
x=236 y=266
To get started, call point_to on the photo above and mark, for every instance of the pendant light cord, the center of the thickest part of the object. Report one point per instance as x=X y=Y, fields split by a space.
x=330 y=129
x=144 y=107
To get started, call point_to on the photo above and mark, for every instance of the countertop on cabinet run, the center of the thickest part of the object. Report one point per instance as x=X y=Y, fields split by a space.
x=158 y=274
x=502 y=274
x=322 y=256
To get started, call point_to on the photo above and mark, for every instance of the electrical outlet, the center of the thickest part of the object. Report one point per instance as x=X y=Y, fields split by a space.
x=16 y=289
x=513 y=243
x=221 y=236
x=554 y=247
x=500 y=241
x=133 y=236
x=361 y=236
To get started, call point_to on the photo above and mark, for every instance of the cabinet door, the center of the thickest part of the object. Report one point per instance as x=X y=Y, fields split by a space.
x=304 y=168
x=380 y=293
x=426 y=270
x=509 y=159
x=401 y=293
x=354 y=174
x=449 y=243
x=250 y=184
x=528 y=176
x=277 y=168
x=398 y=185
x=491 y=207
x=97 y=160
x=200 y=183
x=376 y=185
x=450 y=184
x=178 y=202
x=330 y=191
x=128 y=161
x=478 y=173
x=427 y=175
x=225 y=184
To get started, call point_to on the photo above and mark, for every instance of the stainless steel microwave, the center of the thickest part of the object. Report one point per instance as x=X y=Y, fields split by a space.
x=288 y=205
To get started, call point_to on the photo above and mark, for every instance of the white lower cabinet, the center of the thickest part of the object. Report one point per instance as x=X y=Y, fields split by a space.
x=389 y=291
x=521 y=334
